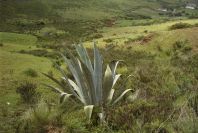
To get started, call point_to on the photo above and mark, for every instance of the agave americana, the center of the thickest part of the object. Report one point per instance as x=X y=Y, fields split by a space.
x=92 y=86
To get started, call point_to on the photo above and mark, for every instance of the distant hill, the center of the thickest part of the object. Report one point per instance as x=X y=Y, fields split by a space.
x=90 y=9
x=77 y=15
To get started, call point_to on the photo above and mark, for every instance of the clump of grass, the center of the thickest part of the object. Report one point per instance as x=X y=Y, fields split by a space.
x=50 y=72
x=28 y=93
x=1 y=45
x=159 y=48
x=182 y=46
x=180 y=25
x=109 y=40
x=41 y=119
x=90 y=98
x=95 y=36
x=31 y=72
x=145 y=31
x=196 y=25
x=40 y=53
x=109 y=46
x=131 y=40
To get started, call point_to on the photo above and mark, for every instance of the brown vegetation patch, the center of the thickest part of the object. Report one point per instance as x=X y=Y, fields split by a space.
x=147 y=39
x=191 y=34
x=52 y=129
x=109 y=22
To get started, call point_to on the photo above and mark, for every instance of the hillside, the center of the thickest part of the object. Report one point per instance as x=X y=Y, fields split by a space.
x=59 y=71
x=151 y=54
x=80 y=19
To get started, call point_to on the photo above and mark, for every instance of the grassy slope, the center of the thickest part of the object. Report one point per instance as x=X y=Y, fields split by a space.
x=12 y=67
x=12 y=64
x=16 y=62
x=87 y=10
x=121 y=34
x=80 y=19
x=110 y=7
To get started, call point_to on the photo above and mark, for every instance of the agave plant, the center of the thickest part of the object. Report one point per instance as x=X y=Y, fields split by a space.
x=92 y=86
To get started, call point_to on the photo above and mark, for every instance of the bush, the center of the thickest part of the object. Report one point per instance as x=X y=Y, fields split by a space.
x=196 y=25
x=159 y=48
x=28 y=92
x=40 y=53
x=137 y=117
x=131 y=40
x=95 y=36
x=88 y=96
x=109 y=40
x=182 y=46
x=31 y=72
x=1 y=44
x=193 y=15
x=180 y=26
x=51 y=33
x=145 y=31
x=41 y=119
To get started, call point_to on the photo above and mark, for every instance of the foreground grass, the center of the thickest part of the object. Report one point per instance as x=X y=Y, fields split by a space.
x=140 y=58
x=12 y=67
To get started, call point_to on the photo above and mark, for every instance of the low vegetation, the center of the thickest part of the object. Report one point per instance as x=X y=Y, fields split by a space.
x=30 y=72
x=180 y=26
x=93 y=90
x=28 y=92
x=141 y=77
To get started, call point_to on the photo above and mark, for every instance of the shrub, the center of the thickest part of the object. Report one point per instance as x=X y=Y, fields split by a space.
x=141 y=116
x=74 y=124
x=135 y=16
x=131 y=40
x=1 y=44
x=193 y=15
x=196 y=25
x=50 y=72
x=187 y=119
x=40 y=53
x=109 y=46
x=93 y=90
x=41 y=119
x=145 y=31
x=31 y=72
x=159 y=48
x=51 y=33
x=109 y=40
x=180 y=26
x=95 y=36
x=182 y=46
x=193 y=102
x=28 y=92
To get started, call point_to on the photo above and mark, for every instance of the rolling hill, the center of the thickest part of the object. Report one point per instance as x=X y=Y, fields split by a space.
x=157 y=39
x=82 y=18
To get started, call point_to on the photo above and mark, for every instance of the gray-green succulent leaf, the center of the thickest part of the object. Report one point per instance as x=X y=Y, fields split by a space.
x=92 y=85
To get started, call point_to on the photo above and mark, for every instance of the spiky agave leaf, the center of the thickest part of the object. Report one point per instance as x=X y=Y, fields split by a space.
x=89 y=85
x=63 y=96
x=76 y=70
x=56 y=81
x=84 y=57
x=88 y=111
x=107 y=85
x=97 y=76
x=134 y=96
x=110 y=79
